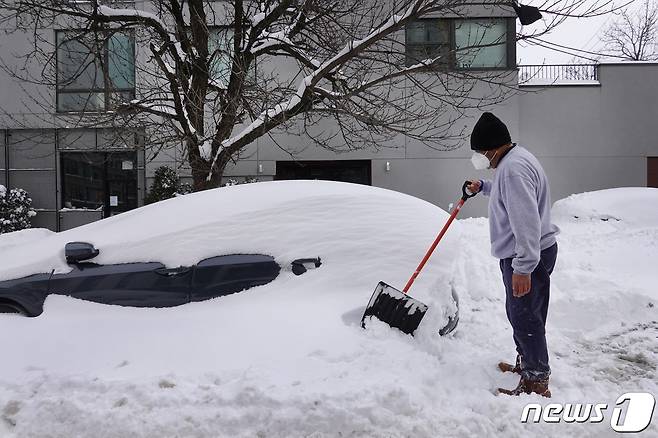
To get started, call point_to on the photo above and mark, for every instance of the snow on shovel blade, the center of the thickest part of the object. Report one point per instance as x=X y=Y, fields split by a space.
x=395 y=308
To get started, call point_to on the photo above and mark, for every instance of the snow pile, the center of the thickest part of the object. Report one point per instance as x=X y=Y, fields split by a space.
x=631 y=205
x=614 y=234
x=362 y=234
x=22 y=237
x=288 y=359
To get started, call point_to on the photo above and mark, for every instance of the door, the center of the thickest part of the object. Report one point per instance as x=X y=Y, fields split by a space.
x=352 y=171
x=121 y=182
x=128 y=284
x=229 y=274
x=99 y=181
x=652 y=171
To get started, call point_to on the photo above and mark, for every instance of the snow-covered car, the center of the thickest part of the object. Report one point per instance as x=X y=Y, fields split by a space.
x=148 y=284
x=214 y=243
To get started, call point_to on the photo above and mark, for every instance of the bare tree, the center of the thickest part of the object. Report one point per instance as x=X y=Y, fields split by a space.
x=215 y=76
x=634 y=33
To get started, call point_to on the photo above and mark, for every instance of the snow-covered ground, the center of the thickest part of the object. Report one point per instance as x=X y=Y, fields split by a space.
x=288 y=359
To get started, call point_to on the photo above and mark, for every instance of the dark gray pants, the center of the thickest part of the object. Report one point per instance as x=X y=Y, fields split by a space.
x=527 y=314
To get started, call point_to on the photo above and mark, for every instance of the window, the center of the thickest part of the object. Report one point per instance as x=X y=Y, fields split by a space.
x=94 y=72
x=220 y=49
x=481 y=43
x=427 y=39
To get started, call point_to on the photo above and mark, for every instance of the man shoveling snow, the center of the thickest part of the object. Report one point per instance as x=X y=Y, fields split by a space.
x=523 y=238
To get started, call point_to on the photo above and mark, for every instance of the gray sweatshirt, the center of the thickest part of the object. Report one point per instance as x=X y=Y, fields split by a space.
x=519 y=210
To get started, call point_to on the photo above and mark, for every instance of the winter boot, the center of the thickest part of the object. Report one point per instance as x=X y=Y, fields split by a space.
x=526 y=386
x=509 y=368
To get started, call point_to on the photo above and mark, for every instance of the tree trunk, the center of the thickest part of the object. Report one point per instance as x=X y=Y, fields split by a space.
x=201 y=169
x=200 y=176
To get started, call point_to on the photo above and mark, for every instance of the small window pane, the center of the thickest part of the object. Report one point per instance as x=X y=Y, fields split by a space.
x=416 y=32
x=77 y=67
x=82 y=180
x=121 y=61
x=481 y=43
x=120 y=97
x=416 y=54
x=80 y=101
x=438 y=31
x=427 y=39
x=220 y=48
x=428 y=31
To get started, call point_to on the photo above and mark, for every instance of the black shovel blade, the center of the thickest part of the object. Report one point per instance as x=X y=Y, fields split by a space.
x=395 y=308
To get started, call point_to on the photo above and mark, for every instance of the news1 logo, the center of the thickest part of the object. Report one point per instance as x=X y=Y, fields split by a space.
x=633 y=412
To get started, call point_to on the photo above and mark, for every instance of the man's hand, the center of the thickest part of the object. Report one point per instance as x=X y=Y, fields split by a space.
x=520 y=284
x=474 y=186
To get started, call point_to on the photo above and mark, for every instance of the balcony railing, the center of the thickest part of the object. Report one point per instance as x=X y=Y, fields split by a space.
x=558 y=73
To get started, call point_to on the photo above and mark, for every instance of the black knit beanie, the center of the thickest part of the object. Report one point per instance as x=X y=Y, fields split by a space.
x=489 y=133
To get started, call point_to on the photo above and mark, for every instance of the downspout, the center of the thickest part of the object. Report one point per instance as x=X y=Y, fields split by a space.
x=58 y=183
x=6 y=158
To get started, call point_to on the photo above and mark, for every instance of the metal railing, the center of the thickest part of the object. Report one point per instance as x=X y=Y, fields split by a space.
x=558 y=73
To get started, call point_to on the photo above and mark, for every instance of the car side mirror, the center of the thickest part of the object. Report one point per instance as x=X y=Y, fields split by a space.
x=79 y=251
x=300 y=266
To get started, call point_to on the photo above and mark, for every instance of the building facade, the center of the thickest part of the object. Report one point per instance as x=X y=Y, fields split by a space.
x=590 y=133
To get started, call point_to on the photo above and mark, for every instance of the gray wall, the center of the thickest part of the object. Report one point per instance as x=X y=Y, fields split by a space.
x=32 y=165
x=594 y=137
x=427 y=171
x=588 y=137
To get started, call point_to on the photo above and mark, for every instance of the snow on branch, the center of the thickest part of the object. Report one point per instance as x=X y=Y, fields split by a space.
x=157 y=108
x=307 y=84
x=270 y=40
x=143 y=17
x=112 y=12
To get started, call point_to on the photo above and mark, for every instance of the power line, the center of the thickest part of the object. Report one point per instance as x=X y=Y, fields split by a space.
x=575 y=50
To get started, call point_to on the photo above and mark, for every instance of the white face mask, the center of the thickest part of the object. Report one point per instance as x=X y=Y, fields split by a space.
x=479 y=161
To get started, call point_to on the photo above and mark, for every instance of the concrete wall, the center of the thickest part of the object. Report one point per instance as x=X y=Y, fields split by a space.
x=593 y=137
x=426 y=171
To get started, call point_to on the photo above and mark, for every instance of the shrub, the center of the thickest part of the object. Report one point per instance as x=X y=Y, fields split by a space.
x=234 y=182
x=166 y=184
x=15 y=210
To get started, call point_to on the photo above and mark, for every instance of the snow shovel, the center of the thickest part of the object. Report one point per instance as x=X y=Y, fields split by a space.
x=395 y=307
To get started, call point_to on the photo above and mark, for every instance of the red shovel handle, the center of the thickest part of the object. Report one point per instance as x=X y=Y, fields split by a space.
x=452 y=217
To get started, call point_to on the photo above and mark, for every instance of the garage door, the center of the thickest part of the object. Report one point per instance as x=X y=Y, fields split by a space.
x=353 y=171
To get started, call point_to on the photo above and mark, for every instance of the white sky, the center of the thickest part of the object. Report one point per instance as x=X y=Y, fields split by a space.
x=579 y=33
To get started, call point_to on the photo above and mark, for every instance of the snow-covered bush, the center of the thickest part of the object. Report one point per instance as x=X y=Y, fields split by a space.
x=15 y=210
x=235 y=182
x=166 y=184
